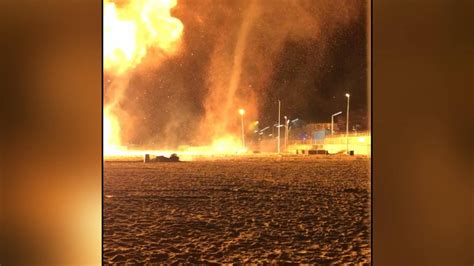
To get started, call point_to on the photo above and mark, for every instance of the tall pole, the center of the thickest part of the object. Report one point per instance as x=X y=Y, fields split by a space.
x=286 y=133
x=278 y=145
x=242 y=112
x=332 y=125
x=347 y=124
x=332 y=121
x=243 y=135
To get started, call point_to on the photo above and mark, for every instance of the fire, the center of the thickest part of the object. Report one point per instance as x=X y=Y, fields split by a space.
x=227 y=144
x=130 y=30
x=111 y=133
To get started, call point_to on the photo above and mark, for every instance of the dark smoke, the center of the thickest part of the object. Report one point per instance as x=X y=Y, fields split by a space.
x=306 y=53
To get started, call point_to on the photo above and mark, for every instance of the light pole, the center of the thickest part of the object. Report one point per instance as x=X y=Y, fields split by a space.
x=289 y=125
x=347 y=123
x=257 y=135
x=332 y=121
x=242 y=112
x=279 y=107
x=288 y=128
x=286 y=132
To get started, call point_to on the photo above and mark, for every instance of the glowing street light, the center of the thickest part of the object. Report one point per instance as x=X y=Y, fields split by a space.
x=279 y=125
x=288 y=123
x=291 y=122
x=242 y=113
x=347 y=124
x=332 y=121
x=256 y=127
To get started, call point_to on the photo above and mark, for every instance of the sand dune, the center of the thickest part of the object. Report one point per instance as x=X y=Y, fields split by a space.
x=312 y=210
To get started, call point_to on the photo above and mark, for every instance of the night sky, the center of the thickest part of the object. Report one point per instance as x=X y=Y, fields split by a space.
x=308 y=54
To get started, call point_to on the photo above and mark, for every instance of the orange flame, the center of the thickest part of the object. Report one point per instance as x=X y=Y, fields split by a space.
x=111 y=133
x=130 y=31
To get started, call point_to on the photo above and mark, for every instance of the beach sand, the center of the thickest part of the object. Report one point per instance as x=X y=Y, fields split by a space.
x=267 y=209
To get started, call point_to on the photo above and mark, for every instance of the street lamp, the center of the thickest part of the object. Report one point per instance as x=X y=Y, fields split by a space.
x=279 y=125
x=256 y=138
x=347 y=123
x=332 y=121
x=242 y=112
x=286 y=132
x=289 y=125
x=256 y=127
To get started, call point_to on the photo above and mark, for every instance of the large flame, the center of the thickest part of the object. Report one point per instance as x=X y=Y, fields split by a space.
x=131 y=29
x=111 y=133
x=224 y=145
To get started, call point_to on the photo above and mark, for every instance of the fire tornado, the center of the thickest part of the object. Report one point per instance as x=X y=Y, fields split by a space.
x=167 y=88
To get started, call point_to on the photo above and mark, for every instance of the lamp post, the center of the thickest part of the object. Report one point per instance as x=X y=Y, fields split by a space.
x=257 y=134
x=242 y=112
x=332 y=121
x=286 y=132
x=347 y=123
x=278 y=145
x=289 y=125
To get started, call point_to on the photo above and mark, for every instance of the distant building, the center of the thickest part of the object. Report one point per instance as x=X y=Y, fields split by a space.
x=310 y=128
x=312 y=132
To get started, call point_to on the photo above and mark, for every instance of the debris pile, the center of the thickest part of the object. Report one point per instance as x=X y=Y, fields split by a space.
x=173 y=158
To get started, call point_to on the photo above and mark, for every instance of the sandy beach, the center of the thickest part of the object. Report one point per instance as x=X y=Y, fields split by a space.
x=309 y=210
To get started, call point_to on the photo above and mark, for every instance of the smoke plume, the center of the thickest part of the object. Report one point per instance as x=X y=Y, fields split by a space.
x=235 y=54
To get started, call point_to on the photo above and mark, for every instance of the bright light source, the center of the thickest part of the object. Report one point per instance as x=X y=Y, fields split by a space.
x=241 y=111
x=348 y=95
x=361 y=139
x=256 y=122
